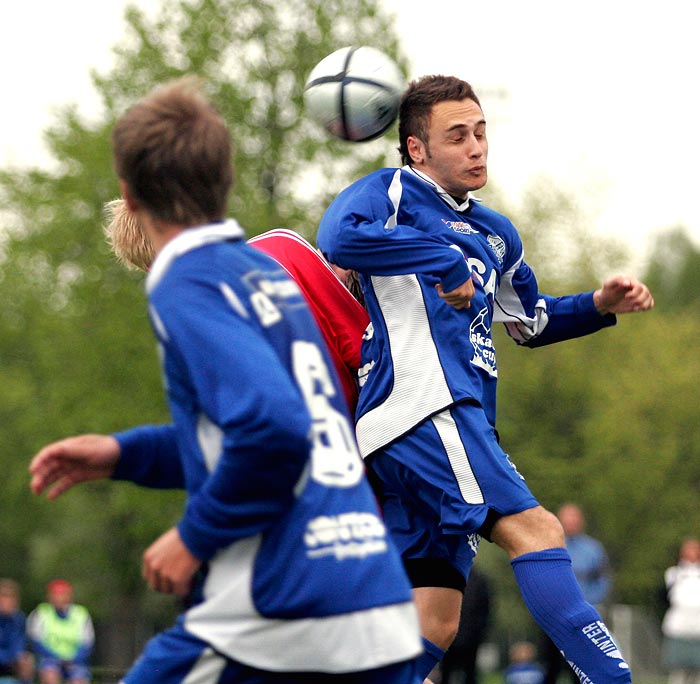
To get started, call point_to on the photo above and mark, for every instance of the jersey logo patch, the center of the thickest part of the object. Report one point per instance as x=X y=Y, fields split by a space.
x=498 y=246
x=460 y=227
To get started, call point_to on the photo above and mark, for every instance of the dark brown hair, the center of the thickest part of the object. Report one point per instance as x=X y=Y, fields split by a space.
x=173 y=150
x=417 y=105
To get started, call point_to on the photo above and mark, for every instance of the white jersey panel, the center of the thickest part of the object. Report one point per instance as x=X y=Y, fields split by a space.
x=420 y=387
x=510 y=310
x=229 y=621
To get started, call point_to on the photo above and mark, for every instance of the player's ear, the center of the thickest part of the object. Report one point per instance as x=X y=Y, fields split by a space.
x=131 y=204
x=416 y=149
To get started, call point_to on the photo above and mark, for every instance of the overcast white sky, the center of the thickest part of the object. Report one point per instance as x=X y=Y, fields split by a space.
x=599 y=95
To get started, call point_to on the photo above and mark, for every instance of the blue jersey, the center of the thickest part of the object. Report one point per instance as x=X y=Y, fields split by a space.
x=301 y=574
x=404 y=235
x=12 y=637
x=524 y=673
x=591 y=567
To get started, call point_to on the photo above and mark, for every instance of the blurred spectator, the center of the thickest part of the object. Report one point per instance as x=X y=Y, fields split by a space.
x=592 y=569
x=523 y=669
x=62 y=636
x=681 y=623
x=15 y=660
x=459 y=662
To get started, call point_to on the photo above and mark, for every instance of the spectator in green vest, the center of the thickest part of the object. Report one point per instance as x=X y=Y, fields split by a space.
x=62 y=636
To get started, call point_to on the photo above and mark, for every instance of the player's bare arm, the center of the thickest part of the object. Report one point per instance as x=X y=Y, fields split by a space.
x=60 y=465
x=460 y=297
x=168 y=566
x=620 y=294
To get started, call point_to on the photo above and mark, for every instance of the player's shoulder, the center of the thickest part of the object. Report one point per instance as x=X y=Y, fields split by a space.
x=495 y=218
x=498 y=225
x=279 y=235
x=283 y=241
x=380 y=179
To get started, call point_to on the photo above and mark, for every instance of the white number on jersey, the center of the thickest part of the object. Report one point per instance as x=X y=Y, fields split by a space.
x=335 y=460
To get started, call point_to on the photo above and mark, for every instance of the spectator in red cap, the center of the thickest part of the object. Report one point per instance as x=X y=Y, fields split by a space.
x=62 y=636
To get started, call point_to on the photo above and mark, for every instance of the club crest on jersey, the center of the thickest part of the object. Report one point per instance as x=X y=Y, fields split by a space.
x=460 y=227
x=498 y=246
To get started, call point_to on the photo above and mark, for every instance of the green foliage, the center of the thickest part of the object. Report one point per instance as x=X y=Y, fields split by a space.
x=674 y=271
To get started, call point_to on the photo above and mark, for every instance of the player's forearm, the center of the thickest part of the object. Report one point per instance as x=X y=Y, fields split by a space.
x=150 y=457
x=569 y=317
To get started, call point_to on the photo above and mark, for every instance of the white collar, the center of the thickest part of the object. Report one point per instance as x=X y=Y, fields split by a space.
x=190 y=239
x=446 y=197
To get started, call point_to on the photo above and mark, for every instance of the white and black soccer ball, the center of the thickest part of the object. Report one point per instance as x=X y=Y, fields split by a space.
x=354 y=93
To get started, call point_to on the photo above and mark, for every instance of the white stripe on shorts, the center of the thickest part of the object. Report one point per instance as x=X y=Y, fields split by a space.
x=207 y=669
x=456 y=453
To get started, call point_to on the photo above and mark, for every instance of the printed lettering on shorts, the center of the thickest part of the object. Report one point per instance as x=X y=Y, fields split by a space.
x=474 y=540
x=348 y=535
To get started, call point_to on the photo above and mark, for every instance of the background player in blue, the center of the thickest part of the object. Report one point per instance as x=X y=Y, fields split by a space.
x=427 y=410
x=300 y=581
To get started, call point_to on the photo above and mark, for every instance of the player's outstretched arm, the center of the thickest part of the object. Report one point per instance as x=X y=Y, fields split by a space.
x=60 y=465
x=620 y=294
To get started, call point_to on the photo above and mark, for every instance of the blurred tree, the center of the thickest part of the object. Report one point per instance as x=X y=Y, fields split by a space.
x=76 y=351
x=674 y=271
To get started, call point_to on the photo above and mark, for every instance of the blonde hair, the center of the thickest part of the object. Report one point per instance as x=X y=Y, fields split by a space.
x=126 y=237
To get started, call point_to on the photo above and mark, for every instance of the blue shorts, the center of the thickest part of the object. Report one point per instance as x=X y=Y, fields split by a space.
x=438 y=482
x=176 y=655
x=68 y=672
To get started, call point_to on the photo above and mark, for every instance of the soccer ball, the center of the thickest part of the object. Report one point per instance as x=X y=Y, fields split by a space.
x=354 y=93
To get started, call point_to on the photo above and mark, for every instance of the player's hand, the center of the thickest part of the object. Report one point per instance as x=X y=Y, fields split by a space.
x=622 y=295
x=460 y=297
x=69 y=461
x=168 y=566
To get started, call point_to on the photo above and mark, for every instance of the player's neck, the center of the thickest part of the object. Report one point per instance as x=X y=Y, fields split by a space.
x=161 y=232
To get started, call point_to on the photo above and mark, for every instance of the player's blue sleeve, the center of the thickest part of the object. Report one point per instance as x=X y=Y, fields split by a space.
x=357 y=232
x=533 y=319
x=150 y=457
x=569 y=317
x=245 y=391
